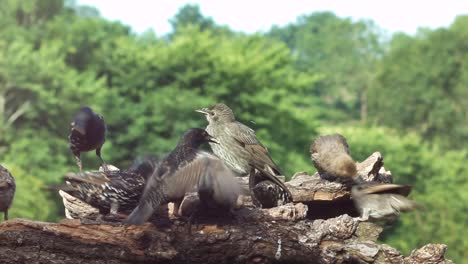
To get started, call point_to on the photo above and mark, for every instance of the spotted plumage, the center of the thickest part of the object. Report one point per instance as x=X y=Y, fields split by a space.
x=7 y=191
x=240 y=149
x=108 y=191
x=187 y=169
x=88 y=132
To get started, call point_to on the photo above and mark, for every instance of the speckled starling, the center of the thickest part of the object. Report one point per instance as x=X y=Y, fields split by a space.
x=382 y=202
x=330 y=155
x=88 y=132
x=186 y=169
x=7 y=191
x=109 y=191
x=242 y=151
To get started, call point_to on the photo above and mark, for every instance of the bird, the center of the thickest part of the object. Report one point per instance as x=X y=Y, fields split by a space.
x=187 y=169
x=88 y=132
x=332 y=159
x=382 y=201
x=7 y=191
x=112 y=191
x=242 y=151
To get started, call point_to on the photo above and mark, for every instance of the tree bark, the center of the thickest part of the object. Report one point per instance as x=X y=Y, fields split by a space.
x=285 y=234
x=252 y=238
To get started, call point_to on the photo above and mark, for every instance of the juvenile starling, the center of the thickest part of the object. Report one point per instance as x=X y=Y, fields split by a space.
x=187 y=169
x=88 y=132
x=382 y=202
x=330 y=155
x=242 y=151
x=7 y=191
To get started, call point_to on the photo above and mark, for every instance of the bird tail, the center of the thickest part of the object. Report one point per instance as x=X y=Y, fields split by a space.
x=271 y=175
x=404 y=204
x=93 y=177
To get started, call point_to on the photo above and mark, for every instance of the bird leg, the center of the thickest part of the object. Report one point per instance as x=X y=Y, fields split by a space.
x=365 y=215
x=114 y=209
x=175 y=211
x=103 y=163
x=5 y=215
x=78 y=162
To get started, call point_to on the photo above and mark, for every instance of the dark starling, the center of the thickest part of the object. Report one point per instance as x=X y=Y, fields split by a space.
x=109 y=191
x=242 y=151
x=7 y=191
x=145 y=165
x=382 y=202
x=88 y=132
x=330 y=155
x=187 y=169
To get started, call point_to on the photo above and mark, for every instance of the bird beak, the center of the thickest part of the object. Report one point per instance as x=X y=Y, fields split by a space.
x=213 y=140
x=203 y=111
x=78 y=128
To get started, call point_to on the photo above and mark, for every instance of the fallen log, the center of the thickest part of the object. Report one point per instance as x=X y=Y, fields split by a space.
x=316 y=228
x=246 y=239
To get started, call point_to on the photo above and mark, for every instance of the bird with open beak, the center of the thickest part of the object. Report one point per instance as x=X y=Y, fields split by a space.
x=243 y=153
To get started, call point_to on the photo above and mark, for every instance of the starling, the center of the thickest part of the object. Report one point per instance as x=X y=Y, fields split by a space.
x=186 y=169
x=382 y=202
x=7 y=191
x=145 y=165
x=88 y=132
x=110 y=191
x=330 y=155
x=242 y=151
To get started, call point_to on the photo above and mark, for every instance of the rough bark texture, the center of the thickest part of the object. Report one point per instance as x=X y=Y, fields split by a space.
x=286 y=234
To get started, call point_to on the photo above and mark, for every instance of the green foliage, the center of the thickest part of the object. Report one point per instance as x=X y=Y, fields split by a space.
x=421 y=85
x=438 y=180
x=342 y=51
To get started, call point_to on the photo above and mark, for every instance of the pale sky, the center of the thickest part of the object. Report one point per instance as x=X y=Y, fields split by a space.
x=259 y=15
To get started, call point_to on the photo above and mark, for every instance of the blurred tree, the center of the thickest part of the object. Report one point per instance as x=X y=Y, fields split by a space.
x=190 y=14
x=421 y=85
x=342 y=51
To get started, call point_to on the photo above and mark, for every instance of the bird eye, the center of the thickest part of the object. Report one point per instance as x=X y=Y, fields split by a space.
x=212 y=113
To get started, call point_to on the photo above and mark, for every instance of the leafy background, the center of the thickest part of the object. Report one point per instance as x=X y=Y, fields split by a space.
x=405 y=96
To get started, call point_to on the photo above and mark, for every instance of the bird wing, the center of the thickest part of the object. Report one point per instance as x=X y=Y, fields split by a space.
x=172 y=185
x=401 y=203
x=259 y=157
x=246 y=137
x=243 y=134
x=388 y=188
x=206 y=172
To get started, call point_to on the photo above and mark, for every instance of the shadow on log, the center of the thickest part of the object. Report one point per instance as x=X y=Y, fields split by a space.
x=285 y=234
